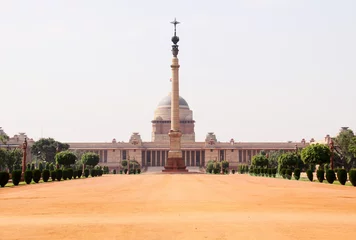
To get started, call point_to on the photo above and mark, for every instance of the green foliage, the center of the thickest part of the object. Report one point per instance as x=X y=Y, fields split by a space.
x=65 y=174
x=10 y=158
x=259 y=160
x=217 y=167
x=342 y=176
x=288 y=160
x=36 y=175
x=51 y=167
x=273 y=158
x=65 y=158
x=4 y=178
x=225 y=164
x=53 y=175
x=80 y=173
x=46 y=148
x=274 y=172
x=16 y=177
x=28 y=176
x=114 y=171
x=40 y=167
x=93 y=173
x=59 y=174
x=90 y=159
x=352 y=177
x=296 y=173
x=32 y=166
x=47 y=166
x=345 y=146
x=106 y=170
x=330 y=176
x=310 y=175
x=139 y=171
x=70 y=173
x=210 y=166
x=233 y=171
x=75 y=174
x=86 y=172
x=316 y=154
x=288 y=174
x=45 y=175
x=320 y=175
x=283 y=172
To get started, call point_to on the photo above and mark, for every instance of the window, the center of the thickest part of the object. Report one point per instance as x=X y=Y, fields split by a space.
x=123 y=154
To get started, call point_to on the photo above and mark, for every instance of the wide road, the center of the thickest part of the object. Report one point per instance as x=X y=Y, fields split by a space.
x=178 y=207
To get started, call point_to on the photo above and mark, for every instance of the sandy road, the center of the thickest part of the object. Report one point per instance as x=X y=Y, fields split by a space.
x=178 y=207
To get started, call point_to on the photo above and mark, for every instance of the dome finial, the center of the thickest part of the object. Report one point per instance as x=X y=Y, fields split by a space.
x=175 y=38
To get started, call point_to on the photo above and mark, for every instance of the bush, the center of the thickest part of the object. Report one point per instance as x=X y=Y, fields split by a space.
x=330 y=176
x=310 y=175
x=352 y=177
x=320 y=175
x=296 y=173
x=75 y=174
x=93 y=172
x=70 y=173
x=125 y=171
x=65 y=174
x=274 y=172
x=288 y=174
x=121 y=171
x=36 y=175
x=86 y=173
x=342 y=176
x=4 y=178
x=28 y=176
x=80 y=173
x=139 y=171
x=100 y=172
x=233 y=171
x=45 y=175
x=16 y=177
x=283 y=172
x=114 y=171
x=53 y=175
x=59 y=174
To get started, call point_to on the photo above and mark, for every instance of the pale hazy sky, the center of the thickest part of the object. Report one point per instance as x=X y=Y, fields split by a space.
x=252 y=70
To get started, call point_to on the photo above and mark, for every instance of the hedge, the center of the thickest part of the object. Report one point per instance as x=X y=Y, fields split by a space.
x=45 y=175
x=65 y=174
x=296 y=173
x=352 y=177
x=342 y=176
x=4 y=178
x=330 y=176
x=289 y=173
x=36 y=175
x=53 y=175
x=86 y=173
x=28 y=176
x=310 y=175
x=320 y=175
x=59 y=174
x=16 y=177
x=80 y=173
x=70 y=173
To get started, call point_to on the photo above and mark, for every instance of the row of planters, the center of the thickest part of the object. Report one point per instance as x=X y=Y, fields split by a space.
x=263 y=172
x=125 y=171
x=55 y=175
x=215 y=167
x=333 y=175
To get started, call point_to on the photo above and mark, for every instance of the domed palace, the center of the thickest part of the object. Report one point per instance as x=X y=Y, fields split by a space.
x=155 y=152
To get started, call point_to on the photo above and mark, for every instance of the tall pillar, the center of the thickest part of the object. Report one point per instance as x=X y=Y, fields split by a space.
x=175 y=161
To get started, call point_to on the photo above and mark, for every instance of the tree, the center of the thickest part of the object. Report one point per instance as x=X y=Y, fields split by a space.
x=66 y=158
x=316 y=154
x=4 y=138
x=3 y=155
x=91 y=159
x=352 y=147
x=273 y=158
x=47 y=148
x=260 y=160
x=345 y=148
x=288 y=160
x=11 y=158
x=225 y=165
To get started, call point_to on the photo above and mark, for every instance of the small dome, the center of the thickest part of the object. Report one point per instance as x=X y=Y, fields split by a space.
x=166 y=102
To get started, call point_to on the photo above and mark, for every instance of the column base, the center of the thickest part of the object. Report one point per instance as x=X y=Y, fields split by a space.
x=175 y=165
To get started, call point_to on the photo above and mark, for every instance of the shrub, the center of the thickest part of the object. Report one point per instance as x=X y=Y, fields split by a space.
x=4 y=178
x=125 y=171
x=65 y=174
x=296 y=173
x=80 y=173
x=100 y=172
x=16 y=177
x=139 y=171
x=283 y=172
x=75 y=174
x=233 y=171
x=45 y=175
x=114 y=171
x=352 y=177
x=86 y=172
x=310 y=175
x=59 y=174
x=70 y=173
x=28 y=176
x=32 y=166
x=288 y=174
x=53 y=175
x=36 y=175
x=93 y=173
x=274 y=172
x=330 y=176
x=320 y=175
x=342 y=176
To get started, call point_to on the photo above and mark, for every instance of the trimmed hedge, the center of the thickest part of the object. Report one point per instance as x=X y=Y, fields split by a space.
x=59 y=174
x=320 y=175
x=274 y=172
x=330 y=176
x=342 y=176
x=4 y=178
x=233 y=171
x=16 y=177
x=65 y=174
x=86 y=173
x=352 y=177
x=75 y=174
x=283 y=172
x=93 y=173
x=70 y=173
x=28 y=176
x=289 y=173
x=36 y=175
x=80 y=173
x=45 y=175
x=53 y=175
x=310 y=175
x=139 y=170
x=297 y=174
x=114 y=171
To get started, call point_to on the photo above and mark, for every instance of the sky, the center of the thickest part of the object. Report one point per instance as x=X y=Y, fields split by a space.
x=252 y=70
